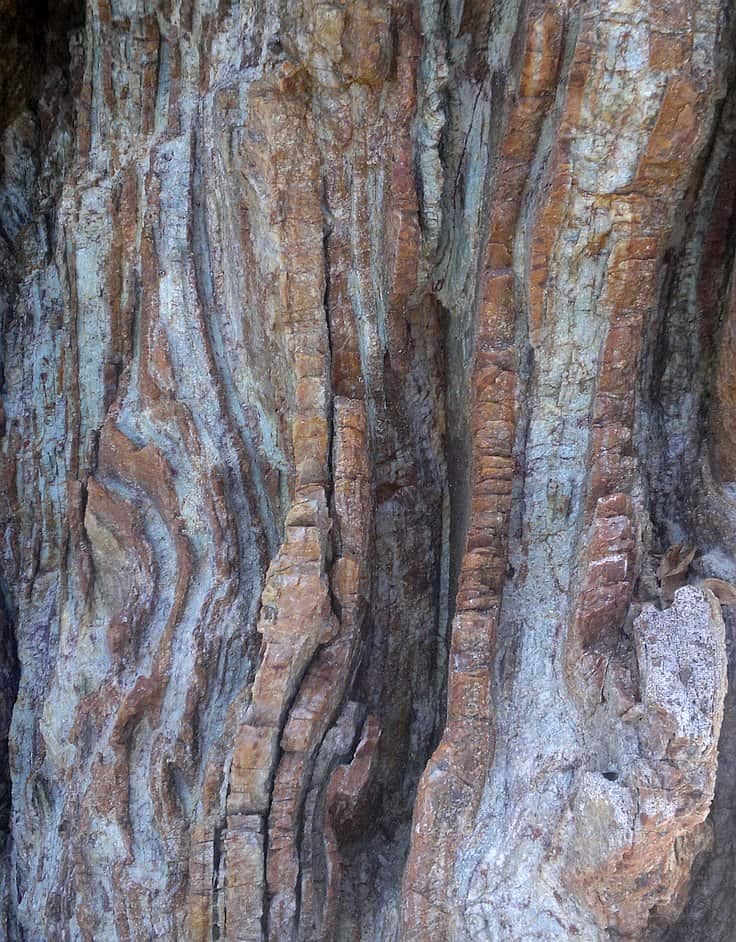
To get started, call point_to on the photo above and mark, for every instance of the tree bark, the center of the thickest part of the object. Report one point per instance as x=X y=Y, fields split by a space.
x=368 y=462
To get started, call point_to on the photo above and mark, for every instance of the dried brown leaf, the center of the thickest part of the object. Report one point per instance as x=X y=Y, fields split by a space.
x=675 y=562
x=724 y=591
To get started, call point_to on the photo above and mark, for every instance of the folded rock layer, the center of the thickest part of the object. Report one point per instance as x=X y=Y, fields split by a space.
x=368 y=470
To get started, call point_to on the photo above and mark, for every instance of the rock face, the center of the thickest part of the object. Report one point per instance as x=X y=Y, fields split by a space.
x=368 y=462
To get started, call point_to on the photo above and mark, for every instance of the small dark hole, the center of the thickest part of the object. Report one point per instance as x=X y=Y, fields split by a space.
x=611 y=776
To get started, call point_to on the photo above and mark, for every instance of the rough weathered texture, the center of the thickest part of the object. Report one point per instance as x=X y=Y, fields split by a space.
x=368 y=460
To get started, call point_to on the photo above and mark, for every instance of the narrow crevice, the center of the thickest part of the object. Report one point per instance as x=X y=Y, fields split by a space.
x=218 y=839
x=326 y=233
x=9 y=682
x=9 y=679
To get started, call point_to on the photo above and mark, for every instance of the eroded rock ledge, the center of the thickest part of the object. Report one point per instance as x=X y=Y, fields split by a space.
x=361 y=362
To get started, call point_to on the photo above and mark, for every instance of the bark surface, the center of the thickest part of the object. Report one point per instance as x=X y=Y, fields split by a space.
x=367 y=470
